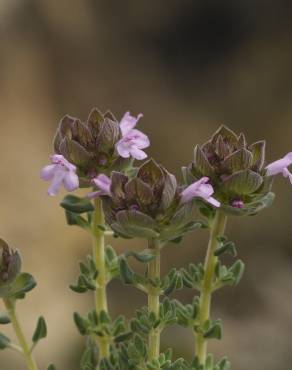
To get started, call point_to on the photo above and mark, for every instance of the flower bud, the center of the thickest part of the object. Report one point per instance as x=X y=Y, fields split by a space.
x=147 y=205
x=90 y=146
x=235 y=170
x=10 y=264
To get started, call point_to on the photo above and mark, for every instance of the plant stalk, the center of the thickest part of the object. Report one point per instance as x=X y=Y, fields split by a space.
x=153 y=298
x=217 y=229
x=10 y=307
x=101 y=281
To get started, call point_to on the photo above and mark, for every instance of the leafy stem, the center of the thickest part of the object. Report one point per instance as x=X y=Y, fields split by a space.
x=27 y=353
x=153 y=298
x=101 y=279
x=217 y=230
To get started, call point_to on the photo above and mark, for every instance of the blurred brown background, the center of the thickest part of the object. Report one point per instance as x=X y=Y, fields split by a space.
x=188 y=66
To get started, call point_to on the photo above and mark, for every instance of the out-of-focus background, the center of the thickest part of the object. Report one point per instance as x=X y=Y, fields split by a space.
x=188 y=66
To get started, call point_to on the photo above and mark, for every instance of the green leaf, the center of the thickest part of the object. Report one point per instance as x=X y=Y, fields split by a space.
x=40 y=330
x=4 y=341
x=127 y=274
x=74 y=219
x=75 y=204
x=52 y=367
x=4 y=318
x=81 y=323
x=214 y=330
x=228 y=248
x=22 y=284
x=237 y=269
x=144 y=256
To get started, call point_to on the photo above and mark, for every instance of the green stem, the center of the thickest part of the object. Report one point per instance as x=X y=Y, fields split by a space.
x=217 y=229
x=153 y=298
x=99 y=257
x=10 y=306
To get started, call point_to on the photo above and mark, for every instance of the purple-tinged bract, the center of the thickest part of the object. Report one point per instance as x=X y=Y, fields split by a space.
x=148 y=205
x=235 y=170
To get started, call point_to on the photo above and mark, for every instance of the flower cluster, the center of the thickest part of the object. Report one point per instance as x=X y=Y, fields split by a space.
x=150 y=204
x=236 y=171
x=100 y=145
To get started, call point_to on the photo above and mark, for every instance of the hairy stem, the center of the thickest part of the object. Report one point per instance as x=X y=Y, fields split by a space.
x=217 y=229
x=153 y=298
x=99 y=257
x=30 y=362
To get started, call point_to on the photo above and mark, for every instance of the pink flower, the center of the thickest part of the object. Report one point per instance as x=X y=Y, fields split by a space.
x=60 y=172
x=199 y=189
x=281 y=166
x=132 y=140
x=103 y=182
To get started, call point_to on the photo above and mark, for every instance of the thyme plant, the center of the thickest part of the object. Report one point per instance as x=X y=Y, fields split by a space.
x=226 y=178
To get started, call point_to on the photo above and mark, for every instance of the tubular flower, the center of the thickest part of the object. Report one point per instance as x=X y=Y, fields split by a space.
x=60 y=172
x=10 y=264
x=103 y=183
x=281 y=166
x=132 y=140
x=200 y=189
x=148 y=205
x=94 y=147
x=235 y=171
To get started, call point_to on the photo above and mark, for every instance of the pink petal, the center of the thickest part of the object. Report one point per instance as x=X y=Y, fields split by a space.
x=192 y=190
x=278 y=166
x=287 y=173
x=47 y=173
x=103 y=182
x=56 y=183
x=138 y=138
x=128 y=122
x=71 y=181
x=213 y=201
x=138 y=153
x=94 y=194
x=123 y=149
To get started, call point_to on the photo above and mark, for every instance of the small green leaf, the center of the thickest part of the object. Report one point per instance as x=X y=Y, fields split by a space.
x=126 y=272
x=40 y=330
x=75 y=204
x=21 y=285
x=52 y=367
x=4 y=341
x=237 y=269
x=4 y=318
x=74 y=219
x=144 y=256
x=228 y=248
x=81 y=323
x=214 y=330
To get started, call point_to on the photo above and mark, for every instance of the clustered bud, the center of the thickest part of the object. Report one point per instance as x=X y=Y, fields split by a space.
x=235 y=170
x=10 y=264
x=147 y=205
x=90 y=146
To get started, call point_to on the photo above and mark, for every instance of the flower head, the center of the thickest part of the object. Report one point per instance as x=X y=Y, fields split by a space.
x=281 y=166
x=147 y=205
x=133 y=140
x=60 y=172
x=200 y=189
x=99 y=145
x=234 y=169
x=10 y=264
